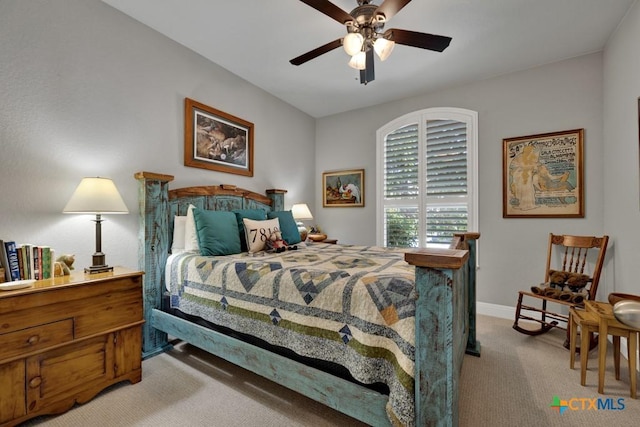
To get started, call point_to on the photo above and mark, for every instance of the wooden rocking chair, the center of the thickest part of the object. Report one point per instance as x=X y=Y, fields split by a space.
x=567 y=285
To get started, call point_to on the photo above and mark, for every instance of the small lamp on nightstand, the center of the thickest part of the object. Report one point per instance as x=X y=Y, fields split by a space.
x=301 y=213
x=96 y=196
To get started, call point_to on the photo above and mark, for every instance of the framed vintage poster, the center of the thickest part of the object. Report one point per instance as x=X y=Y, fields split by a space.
x=216 y=140
x=343 y=188
x=542 y=175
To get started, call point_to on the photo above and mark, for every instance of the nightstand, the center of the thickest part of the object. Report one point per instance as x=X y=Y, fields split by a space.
x=65 y=339
x=331 y=241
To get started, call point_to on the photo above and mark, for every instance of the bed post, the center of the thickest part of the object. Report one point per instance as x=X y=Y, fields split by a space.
x=467 y=241
x=277 y=199
x=444 y=280
x=473 y=345
x=153 y=250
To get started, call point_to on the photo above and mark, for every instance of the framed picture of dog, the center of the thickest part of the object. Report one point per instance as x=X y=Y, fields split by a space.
x=216 y=140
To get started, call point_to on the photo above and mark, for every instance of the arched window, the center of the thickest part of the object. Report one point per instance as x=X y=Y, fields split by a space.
x=427 y=178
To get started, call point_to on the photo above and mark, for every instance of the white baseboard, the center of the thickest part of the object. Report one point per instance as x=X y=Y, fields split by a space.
x=507 y=312
x=495 y=310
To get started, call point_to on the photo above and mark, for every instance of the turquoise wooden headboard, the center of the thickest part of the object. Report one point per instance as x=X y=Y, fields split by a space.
x=158 y=206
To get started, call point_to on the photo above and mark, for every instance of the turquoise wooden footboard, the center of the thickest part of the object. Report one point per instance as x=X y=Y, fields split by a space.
x=445 y=311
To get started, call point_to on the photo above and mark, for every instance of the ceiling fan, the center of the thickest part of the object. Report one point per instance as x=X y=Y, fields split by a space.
x=365 y=34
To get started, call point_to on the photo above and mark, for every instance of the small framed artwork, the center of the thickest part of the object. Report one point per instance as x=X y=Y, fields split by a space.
x=216 y=140
x=542 y=175
x=343 y=188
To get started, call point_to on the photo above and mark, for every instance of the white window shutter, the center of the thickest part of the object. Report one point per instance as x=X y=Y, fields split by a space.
x=425 y=179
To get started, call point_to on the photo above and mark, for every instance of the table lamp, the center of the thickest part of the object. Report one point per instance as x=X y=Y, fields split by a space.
x=301 y=212
x=96 y=196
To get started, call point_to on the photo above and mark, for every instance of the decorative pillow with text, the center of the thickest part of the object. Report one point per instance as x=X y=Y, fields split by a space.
x=255 y=214
x=257 y=232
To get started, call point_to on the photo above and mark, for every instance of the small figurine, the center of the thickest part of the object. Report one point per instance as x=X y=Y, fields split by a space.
x=275 y=243
x=63 y=265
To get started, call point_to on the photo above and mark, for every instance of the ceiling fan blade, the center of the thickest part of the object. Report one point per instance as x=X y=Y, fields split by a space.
x=316 y=52
x=329 y=9
x=416 y=39
x=390 y=7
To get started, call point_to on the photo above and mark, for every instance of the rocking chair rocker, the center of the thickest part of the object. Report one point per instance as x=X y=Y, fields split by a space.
x=567 y=286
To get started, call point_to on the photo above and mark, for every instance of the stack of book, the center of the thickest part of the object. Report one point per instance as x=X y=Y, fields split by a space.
x=26 y=261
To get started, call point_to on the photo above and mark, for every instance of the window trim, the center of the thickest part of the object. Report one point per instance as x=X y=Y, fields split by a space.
x=469 y=117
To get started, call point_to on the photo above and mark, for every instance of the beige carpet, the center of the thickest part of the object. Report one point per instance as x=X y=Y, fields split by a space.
x=512 y=383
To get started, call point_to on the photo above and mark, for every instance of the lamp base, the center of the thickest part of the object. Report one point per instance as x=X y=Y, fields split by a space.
x=98 y=259
x=303 y=232
x=94 y=269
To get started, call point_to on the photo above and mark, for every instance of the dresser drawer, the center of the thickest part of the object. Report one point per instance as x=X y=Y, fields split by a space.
x=35 y=338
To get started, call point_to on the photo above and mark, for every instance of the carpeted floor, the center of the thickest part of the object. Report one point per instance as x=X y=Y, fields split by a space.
x=513 y=383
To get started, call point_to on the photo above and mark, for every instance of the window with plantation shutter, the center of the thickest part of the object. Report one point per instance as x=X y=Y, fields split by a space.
x=427 y=178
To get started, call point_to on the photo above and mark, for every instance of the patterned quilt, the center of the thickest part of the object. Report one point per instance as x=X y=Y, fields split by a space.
x=351 y=305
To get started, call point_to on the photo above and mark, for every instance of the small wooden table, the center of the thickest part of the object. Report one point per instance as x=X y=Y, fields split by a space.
x=330 y=241
x=606 y=320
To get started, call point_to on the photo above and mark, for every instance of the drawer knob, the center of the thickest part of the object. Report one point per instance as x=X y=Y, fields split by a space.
x=35 y=382
x=33 y=339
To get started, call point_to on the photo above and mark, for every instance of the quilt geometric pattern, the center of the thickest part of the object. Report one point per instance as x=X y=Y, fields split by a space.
x=392 y=296
x=355 y=262
x=205 y=269
x=250 y=273
x=311 y=282
x=350 y=305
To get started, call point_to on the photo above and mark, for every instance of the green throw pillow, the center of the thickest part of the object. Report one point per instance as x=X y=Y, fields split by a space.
x=288 y=226
x=255 y=214
x=217 y=232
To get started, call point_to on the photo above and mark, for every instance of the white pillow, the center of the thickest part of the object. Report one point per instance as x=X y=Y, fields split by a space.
x=257 y=232
x=179 y=225
x=190 y=233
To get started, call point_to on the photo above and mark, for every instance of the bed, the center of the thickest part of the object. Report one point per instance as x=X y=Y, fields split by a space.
x=416 y=359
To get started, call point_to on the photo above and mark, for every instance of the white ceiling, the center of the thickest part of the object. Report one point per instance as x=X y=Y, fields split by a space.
x=255 y=39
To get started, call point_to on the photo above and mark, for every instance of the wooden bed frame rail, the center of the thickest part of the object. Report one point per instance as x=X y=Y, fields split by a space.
x=445 y=312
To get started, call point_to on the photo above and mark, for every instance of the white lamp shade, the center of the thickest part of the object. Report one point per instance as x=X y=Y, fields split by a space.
x=383 y=48
x=301 y=211
x=96 y=196
x=352 y=43
x=358 y=61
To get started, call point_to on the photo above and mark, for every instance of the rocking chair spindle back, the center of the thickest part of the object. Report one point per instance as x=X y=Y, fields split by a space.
x=567 y=286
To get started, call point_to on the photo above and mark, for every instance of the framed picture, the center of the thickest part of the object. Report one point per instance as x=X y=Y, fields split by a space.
x=542 y=175
x=216 y=140
x=343 y=189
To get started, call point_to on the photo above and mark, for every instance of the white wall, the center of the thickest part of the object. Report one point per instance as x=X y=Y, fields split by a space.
x=85 y=91
x=621 y=158
x=555 y=97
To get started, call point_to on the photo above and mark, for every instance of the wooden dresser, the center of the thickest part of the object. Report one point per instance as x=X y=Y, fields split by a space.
x=65 y=339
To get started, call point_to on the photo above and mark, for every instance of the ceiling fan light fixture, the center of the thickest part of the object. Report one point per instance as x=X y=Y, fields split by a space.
x=358 y=61
x=383 y=48
x=352 y=43
x=365 y=34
